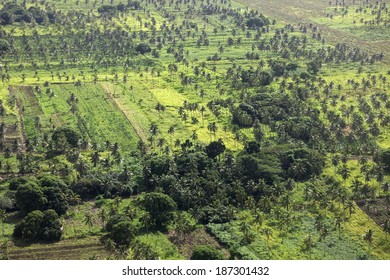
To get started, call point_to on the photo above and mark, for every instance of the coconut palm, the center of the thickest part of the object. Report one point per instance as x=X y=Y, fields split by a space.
x=369 y=237
x=2 y=218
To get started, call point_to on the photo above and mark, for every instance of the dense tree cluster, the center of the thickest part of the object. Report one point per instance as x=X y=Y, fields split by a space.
x=39 y=226
x=12 y=12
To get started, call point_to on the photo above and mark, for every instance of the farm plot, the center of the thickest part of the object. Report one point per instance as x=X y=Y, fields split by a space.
x=85 y=108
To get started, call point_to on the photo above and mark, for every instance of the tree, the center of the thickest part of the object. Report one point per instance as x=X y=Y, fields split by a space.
x=308 y=244
x=368 y=237
x=37 y=225
x=95 y=158
x=314 y=66
x=160 y=207
x=2 y=218
x=215 y=148
x=212 y=127
x=141 y=251
x=64 y=138
x=56 y=200
x=4 y=44
x=143 y=48
x=206 y=252
x=123 y=233
x=89 y=219
x=30 y=197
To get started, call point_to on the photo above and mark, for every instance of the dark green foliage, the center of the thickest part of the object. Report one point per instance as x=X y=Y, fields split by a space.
x=278 y=67
x=30 y=197
x=206 y=252
x=56 y=200
x=301 y=164
x=257 y=22
x=252 y=147
x=64 y=138
x=193 y=162
x=38 y=225
x=88 y=188
x=123 y=233
x=107 y=184
x=160 y=207
x=314 y=66
x=385 y=159
x=256 y=78
x=39 y=15
x=215 y=148
x=52 y=181
x=143 y=48
x=115 y=219
x=49 y=192
x=259 y=166
x=18 y=181
x=107 y=10
x=12 y=12
x=4 y=46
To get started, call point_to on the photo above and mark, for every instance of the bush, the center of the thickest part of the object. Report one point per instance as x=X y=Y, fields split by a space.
x=160 y=207
x=143 y=48
x=37 y=225
x=206 y=252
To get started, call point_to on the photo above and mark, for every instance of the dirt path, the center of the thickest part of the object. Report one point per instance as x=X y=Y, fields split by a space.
x=295 y=11
x=128 y=113
x=22 y=133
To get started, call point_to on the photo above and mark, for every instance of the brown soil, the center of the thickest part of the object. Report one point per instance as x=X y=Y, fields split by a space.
x=377 y=209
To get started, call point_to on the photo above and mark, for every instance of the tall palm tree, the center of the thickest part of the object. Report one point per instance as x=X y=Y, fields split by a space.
x=212 y=127
x=369 y=237
x=171 y=132
x=95 y=158
x=246 y=230
x=88 y=219
x=268 y=233
x=103 y=216
x=153 y=132
x=2 y=218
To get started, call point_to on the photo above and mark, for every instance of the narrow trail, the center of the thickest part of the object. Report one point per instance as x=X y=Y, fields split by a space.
x=22 y=133
x=129 y=114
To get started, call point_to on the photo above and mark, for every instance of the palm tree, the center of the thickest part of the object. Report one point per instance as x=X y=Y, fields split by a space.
x=88 y=220
x=146 y=219
x=4 y=248
x=95 y=158
x=103 y=216
x=386 y=227
x=2 y=218
x=344 y=172
x=338 y=223
x=171 y=132
x=246 y=230
x=368 y=237
x=153 y=132
x=308 y=244
x=212 y=127
x=268 y=233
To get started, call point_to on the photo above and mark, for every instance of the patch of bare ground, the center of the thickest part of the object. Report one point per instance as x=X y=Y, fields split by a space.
x=378 y=209
x=187 y=242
